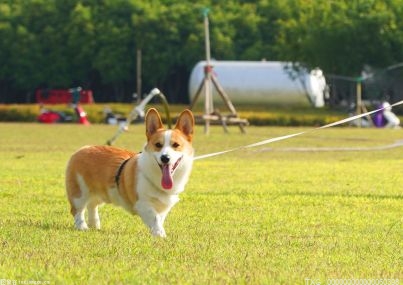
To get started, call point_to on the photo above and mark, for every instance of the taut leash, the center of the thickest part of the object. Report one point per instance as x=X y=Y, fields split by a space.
x=268 y=141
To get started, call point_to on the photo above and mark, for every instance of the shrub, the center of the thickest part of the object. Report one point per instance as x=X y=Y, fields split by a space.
x=256 y=115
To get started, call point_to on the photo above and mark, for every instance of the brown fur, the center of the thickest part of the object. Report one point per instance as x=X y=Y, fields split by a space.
x=110 y=158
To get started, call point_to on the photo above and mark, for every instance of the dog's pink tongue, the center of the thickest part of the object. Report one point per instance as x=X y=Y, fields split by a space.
x=166 y=181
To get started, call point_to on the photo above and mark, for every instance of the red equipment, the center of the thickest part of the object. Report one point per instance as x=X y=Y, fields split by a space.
x=50 y=117
x=82 y=116
x=62 y=96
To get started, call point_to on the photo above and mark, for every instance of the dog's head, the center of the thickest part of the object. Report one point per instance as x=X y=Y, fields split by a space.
x=171 y=150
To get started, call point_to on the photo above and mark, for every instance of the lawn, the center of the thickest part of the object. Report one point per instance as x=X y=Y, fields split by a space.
x=276 y=214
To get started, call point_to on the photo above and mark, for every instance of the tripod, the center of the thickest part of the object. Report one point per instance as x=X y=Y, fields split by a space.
x=210 y=81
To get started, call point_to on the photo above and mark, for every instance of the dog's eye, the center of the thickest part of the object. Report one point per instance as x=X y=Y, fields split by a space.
x=158 y=145
x=175 y=145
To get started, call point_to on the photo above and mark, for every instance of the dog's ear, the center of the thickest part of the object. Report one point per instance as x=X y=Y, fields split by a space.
x=153 y=122
x=186 y=124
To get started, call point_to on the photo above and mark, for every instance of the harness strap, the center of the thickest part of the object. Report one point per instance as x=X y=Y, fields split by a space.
x=119 y=172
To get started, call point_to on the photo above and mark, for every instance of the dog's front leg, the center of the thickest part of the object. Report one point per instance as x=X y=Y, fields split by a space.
x=151 y=218
x=158 y=230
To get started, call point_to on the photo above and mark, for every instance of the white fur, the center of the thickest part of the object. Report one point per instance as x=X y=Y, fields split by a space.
x=149 y=187
x=81 y=204
x=117 y=200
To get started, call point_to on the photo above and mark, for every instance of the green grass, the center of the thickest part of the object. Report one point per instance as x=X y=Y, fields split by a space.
x=257 y=216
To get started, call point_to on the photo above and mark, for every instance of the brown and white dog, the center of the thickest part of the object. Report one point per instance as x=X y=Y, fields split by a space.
x=147 y=184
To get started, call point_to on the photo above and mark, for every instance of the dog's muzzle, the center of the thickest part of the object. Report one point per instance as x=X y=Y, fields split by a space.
x=168 y=171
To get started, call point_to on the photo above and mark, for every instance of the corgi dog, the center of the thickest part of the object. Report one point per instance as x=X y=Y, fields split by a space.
x=147 y=184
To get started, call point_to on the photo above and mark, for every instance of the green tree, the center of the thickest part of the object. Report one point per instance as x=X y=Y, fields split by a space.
x=80 y=42
x=93 y=42
x=342 y=36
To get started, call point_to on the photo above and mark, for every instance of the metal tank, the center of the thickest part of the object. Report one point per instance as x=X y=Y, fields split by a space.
x=263 y=82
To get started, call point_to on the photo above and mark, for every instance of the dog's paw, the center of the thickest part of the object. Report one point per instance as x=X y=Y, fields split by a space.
x=158 y=232
x=82 y=226
x=95 y=225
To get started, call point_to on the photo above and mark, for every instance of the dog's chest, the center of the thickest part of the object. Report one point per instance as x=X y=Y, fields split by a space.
x=158 y=205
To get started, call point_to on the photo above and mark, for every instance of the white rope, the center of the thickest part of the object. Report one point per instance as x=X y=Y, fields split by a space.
x=396 y=144
x=268 y=141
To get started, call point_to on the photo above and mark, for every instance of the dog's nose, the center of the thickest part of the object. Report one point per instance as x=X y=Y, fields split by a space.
x=165 y=158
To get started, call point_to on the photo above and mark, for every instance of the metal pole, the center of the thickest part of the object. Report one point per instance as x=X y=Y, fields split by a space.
x=138 y=69
x=208 y=104
x=359 y=100
x=207 y=34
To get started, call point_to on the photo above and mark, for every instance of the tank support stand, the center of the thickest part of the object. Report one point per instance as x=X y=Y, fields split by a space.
x=207 y=84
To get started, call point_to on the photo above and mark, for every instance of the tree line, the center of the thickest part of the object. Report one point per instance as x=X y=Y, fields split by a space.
x=94 y=43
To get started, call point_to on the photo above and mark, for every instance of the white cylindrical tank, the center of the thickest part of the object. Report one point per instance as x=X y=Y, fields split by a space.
x=263 y=82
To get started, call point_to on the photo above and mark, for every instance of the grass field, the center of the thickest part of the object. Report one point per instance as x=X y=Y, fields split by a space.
x=269 y=215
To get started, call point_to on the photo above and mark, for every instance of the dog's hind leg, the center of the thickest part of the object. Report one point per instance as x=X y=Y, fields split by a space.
x=79 y=219
x=78 y=206
x=78 y=196
x=93 y=216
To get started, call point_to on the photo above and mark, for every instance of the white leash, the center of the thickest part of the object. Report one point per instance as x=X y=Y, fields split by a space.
x=294 y=135
x=398 y=143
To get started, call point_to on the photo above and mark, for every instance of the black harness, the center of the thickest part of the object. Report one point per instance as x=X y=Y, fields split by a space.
x=119 y=172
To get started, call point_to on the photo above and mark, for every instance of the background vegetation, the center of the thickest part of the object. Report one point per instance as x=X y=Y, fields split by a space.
x=93 y=43
x=300 y=115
